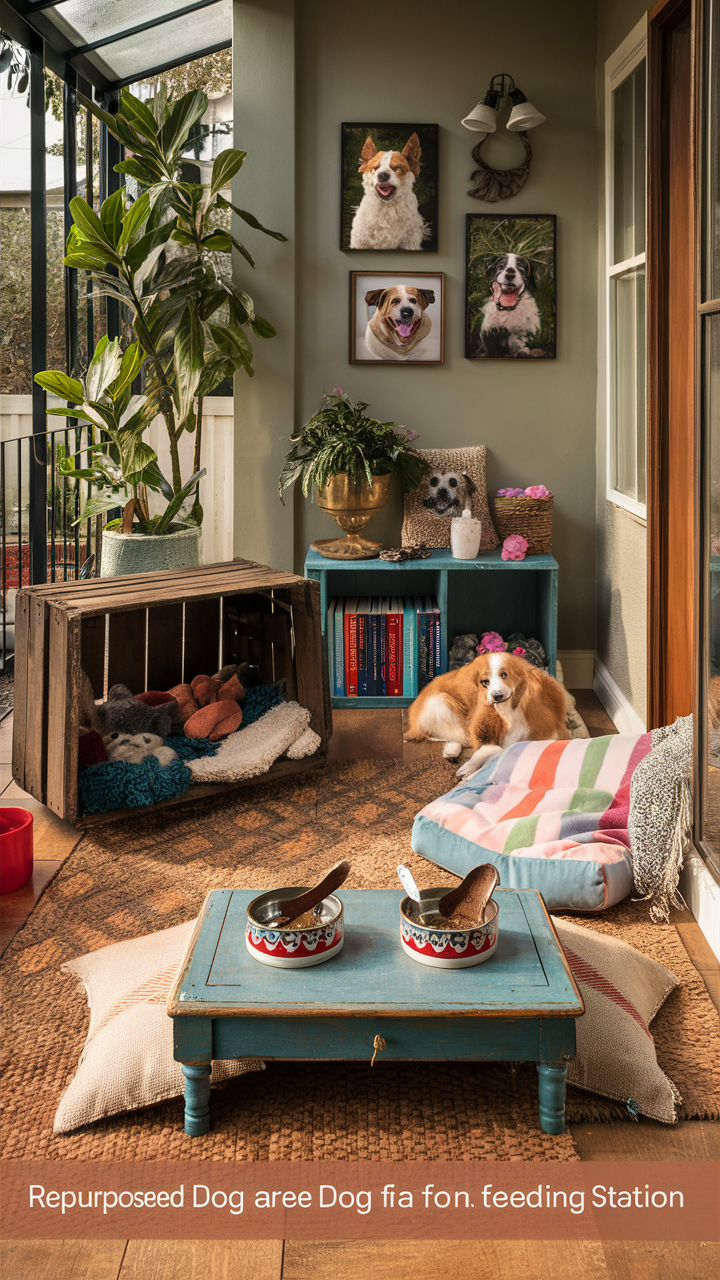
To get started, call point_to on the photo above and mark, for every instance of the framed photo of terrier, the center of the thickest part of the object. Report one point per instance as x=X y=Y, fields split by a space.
x=396 y=317
x=510 y=287
x=389 y=187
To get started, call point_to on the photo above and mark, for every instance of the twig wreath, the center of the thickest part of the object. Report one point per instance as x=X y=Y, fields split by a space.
x=491 y=184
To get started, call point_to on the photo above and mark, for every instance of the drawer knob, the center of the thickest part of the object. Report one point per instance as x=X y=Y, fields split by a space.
x=378 y=1046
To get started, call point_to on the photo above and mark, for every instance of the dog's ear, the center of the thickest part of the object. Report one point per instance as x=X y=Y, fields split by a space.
x=526 y=268
x=425 y=297
x=494 y=265
x=519 y=669
x=412 y=152
x=471 y=486
x=374 y=297
x=367 y=153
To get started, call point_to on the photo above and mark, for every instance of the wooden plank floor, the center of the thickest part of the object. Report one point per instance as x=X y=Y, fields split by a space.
x=374 y=734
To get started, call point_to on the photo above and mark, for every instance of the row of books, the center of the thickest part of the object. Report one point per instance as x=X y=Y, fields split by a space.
x=383 y=647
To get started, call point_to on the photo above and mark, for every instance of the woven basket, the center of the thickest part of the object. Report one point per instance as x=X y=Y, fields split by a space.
x=531 y=517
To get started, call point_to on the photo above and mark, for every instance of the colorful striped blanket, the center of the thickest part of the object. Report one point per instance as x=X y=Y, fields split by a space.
x=551 y=816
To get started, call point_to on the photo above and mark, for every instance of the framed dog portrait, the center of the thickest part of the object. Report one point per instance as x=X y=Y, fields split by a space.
x=389 y=187
x=396 y=317
x=510 y=289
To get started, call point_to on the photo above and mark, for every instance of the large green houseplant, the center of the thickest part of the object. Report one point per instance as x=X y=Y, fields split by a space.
x=348 y=459
x=163 y=258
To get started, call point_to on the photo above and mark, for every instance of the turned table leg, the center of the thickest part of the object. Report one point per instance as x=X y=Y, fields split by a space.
x=197 y=1099
x=551 y=1093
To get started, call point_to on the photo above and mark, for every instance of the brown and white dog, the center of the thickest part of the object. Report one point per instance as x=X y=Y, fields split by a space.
x=493 y=702
x=388 y=216
x=399 y=324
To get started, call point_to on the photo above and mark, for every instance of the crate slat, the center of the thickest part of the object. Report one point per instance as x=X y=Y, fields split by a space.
x=35 y=718
x=63 y=711
x=19 y=750
x=126 y=649
x=93 y=652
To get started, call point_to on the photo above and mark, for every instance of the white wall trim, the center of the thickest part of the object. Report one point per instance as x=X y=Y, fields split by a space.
x=578 y=667
x=619 y=708
x=701 y=891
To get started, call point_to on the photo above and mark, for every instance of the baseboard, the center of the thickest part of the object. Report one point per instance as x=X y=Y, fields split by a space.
x=620 y=710
x=578 y=667
x=701 y=891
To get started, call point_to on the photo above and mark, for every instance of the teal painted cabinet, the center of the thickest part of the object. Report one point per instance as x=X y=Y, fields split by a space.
x=485 y=594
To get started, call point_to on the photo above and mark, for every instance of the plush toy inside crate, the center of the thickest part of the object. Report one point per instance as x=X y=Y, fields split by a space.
x=151 y=632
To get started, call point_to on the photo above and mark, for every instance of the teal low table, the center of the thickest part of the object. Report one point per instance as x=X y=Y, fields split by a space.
x=519 y=1006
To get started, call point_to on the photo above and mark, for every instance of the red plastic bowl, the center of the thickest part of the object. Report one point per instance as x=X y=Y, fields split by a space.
x=16 y=848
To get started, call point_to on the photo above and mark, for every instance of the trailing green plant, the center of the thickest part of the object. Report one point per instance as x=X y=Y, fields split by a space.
x=161 y=258
x=341 y=438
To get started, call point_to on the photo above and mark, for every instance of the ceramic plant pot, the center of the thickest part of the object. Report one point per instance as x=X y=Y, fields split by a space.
x=351 y=503
x=147 y=553
x=293 y=948
x=440 y=948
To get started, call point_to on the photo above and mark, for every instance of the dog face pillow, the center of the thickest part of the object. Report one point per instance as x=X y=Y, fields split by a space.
x=134 y=747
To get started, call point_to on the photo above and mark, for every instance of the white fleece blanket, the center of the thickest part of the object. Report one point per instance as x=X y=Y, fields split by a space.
x=252 y=751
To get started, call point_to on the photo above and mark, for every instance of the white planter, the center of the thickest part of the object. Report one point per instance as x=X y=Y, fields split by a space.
x=147 y=553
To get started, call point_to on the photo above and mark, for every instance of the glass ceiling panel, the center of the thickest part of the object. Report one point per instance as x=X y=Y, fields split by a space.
x=85 y=21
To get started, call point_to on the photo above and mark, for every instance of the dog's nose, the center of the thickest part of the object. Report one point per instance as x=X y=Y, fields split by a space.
x=384 y=176
x=406 y=313
x=510 y=272
x=498 y=697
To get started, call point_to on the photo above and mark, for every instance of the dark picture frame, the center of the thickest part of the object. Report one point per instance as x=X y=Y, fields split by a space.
x=496 y=327
x=422 y=155
x=383 y=344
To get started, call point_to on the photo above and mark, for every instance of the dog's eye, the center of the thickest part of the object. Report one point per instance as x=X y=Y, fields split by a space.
x=435 y=480
x=395 y=302
x=453 y=484
x=503 y=675
x=484 y=683
x=412 y=300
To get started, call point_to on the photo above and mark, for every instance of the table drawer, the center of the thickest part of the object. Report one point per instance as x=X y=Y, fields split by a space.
x=423 y=1039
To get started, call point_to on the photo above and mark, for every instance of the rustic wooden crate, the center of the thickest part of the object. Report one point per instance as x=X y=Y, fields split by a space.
x=151 y=631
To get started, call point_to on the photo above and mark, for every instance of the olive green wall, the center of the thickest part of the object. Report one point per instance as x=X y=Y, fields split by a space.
x=430 y=63
x=621 y=537
x=433 y=62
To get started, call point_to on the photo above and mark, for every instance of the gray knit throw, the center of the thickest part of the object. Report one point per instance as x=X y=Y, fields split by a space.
x=660 y=816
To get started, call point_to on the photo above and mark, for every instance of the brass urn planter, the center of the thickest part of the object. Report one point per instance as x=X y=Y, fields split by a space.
x=352 y=503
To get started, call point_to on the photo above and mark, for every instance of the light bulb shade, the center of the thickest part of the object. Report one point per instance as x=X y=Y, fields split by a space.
x=524 y=116
x=483 y=119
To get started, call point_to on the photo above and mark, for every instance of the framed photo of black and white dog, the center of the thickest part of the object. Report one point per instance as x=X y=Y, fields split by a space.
x=396 y=317
x=510 y=297
x=389 y=187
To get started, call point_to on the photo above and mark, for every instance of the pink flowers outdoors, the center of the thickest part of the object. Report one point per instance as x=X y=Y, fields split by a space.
x=514 y=547
x=491 y=642
x=532 y=491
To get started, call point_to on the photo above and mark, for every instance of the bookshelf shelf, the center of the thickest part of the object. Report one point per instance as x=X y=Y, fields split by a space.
x=485 y=594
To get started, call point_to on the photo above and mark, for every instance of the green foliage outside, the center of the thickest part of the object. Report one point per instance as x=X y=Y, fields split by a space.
x=341 y=438
x=425 y=187
x=489 y=237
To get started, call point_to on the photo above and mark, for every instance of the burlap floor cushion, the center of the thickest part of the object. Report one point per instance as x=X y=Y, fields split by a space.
x=422 y=525
x=127 y=1061
x=622 y=990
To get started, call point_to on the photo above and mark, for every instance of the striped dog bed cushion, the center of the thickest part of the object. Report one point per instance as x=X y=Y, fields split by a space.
x=550 y=816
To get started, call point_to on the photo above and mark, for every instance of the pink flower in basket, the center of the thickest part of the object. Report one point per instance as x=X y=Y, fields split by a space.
x=537 y=491
x=514 y=547
x=491 y=642
x=511 y=493
x=520 y=652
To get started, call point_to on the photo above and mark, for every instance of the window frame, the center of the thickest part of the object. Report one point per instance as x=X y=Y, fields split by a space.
x=618 y=67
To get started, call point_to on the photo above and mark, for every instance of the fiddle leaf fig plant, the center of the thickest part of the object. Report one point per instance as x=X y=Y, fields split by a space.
x=161 y=258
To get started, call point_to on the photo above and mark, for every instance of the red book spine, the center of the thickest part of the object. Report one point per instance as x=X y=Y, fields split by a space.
x=394 y=656
x=351 y=654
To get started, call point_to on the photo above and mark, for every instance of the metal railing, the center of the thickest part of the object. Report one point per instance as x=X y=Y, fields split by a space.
x=67 y=546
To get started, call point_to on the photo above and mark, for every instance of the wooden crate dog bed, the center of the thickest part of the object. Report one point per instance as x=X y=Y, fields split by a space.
x=152 y=631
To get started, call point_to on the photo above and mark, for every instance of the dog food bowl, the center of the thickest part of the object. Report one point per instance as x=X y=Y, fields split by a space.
x=443 y=948
x=293 y=948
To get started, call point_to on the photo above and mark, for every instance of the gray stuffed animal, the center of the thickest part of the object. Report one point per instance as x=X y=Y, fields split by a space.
x=122 y=713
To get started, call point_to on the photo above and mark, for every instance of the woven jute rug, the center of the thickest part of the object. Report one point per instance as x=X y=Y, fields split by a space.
x=153 y=871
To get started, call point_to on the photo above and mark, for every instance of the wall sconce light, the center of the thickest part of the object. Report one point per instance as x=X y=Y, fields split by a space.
x=483 y=118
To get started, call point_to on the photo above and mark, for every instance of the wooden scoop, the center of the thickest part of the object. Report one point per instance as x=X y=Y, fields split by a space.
x=294 y=907
x=467 y=903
